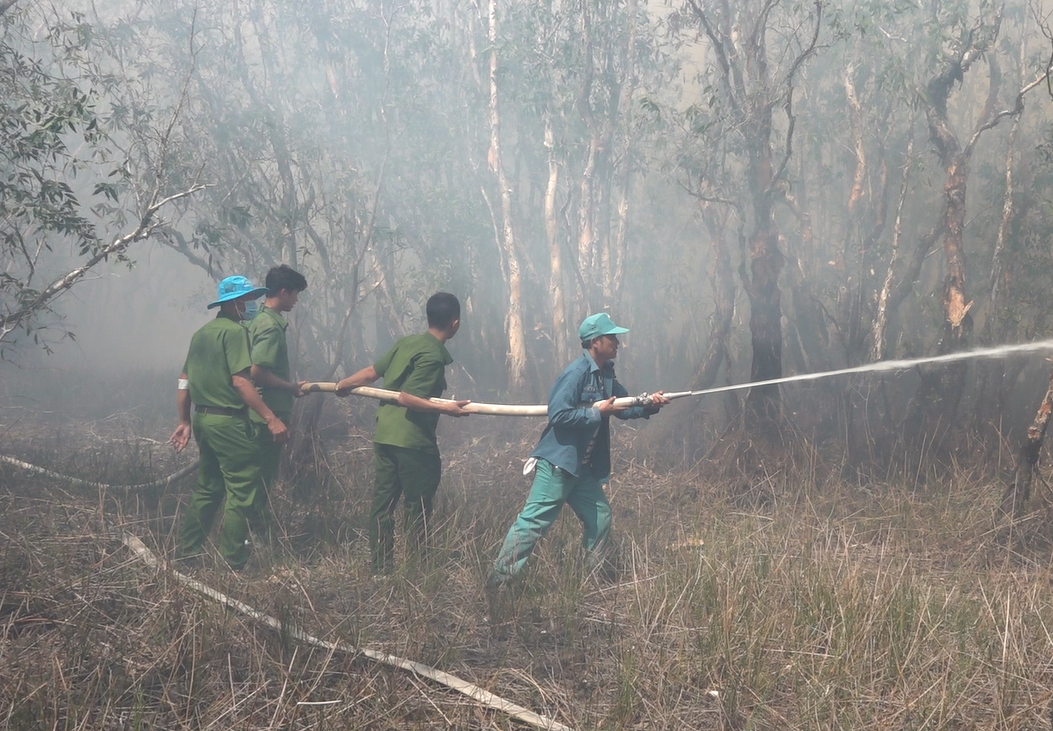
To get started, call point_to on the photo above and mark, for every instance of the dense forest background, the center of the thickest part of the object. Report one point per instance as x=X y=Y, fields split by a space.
x=757 y=189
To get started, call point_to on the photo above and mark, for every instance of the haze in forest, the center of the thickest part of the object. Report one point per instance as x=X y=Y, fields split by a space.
x=753 y=193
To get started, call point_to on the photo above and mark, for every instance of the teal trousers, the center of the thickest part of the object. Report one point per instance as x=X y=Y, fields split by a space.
x=414 y=475
x=229 y=475
x=552 y=488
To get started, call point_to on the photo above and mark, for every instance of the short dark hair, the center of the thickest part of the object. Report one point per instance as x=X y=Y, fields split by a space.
x=443 y=308
x=284 y=277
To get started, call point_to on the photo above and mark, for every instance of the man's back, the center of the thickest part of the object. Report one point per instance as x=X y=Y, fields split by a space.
x=271 y=351
x=416 y=365
x=218 y=350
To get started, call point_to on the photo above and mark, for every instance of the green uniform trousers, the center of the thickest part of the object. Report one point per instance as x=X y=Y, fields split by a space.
x=229 y=469
x=413 y=473
x=552 y=488
x=270 y=451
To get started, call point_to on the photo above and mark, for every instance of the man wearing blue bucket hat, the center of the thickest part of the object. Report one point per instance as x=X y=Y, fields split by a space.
x=216 y=381
x=573 y=457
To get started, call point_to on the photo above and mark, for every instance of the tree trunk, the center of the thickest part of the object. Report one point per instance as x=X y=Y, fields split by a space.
x=619 y=243
x=1018 y=493
x=516 y=353
x=877 y=336
x=809 y=316
x=555 y=250
x=851 y=255
x=766 y=261
x=763 y=403
x=993 y=383
x=751 y=89
x=934 y=407
x=722 y=279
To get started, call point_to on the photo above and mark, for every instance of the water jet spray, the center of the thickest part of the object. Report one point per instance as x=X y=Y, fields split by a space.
x=880 y=366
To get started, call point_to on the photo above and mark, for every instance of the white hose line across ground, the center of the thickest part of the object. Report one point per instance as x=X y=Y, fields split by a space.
x=163 y=482
x=148 y=557
x=484 y=697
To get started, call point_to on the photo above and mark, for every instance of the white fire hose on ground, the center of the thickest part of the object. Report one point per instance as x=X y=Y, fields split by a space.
x=162 y=482
x=482 y=696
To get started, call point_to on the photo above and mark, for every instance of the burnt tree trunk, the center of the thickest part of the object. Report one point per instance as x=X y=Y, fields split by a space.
x=808 y=315
x=934 y=407
x=722 y=279
x=738 y=36
x=995 y=379
x=762 y=287
x=1018 y=493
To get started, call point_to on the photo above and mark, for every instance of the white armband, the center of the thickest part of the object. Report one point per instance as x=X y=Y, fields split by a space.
x=183 y=384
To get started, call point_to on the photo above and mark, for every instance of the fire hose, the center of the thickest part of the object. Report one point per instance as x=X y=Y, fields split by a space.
x=477 y=408
x=881 y=366
x=134 y=544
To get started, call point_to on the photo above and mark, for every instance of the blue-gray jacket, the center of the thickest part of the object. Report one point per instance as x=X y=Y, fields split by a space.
x=572 y=422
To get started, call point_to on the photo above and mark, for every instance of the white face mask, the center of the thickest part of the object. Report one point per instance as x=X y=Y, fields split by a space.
x=251 y=308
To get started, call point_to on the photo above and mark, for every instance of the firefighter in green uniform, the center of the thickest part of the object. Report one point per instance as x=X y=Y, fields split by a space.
x=216 y=382
x=405 y=452
x=270 y=363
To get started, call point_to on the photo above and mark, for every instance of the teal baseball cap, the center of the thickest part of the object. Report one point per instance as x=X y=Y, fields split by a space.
x=599 y=324
x=235 y=288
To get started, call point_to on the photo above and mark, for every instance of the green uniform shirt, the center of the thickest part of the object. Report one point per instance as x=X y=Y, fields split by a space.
x=217 y=351
x=416 y=364
x=270 y=351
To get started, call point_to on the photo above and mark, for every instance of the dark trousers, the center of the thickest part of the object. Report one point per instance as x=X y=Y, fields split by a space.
x=413 y=474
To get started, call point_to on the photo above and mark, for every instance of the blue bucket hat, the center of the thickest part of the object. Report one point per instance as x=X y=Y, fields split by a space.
x=235 y=288
x=599 y=324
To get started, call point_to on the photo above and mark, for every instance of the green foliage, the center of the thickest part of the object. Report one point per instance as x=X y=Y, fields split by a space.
x=56 y=184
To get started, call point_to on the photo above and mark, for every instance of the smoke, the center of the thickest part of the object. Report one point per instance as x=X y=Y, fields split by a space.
x=138 y=318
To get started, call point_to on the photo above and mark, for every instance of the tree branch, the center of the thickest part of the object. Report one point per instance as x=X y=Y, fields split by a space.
x=143 y=230
x=791 y=118
x=1018 y=107
x=726 y=71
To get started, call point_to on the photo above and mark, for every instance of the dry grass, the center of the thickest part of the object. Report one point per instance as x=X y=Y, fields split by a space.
x=783 y=599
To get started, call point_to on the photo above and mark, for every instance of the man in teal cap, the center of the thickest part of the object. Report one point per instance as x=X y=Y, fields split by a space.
x=573 y=457
x=405 y=451
x=216 y=381
x=270 y=362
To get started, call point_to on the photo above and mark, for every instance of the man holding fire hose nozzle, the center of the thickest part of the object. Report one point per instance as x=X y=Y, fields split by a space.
x=573 y=457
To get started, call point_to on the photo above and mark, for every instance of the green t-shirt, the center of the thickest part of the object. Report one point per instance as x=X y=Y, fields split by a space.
x=270 y=351
x=416 y=364
x=217 y=351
